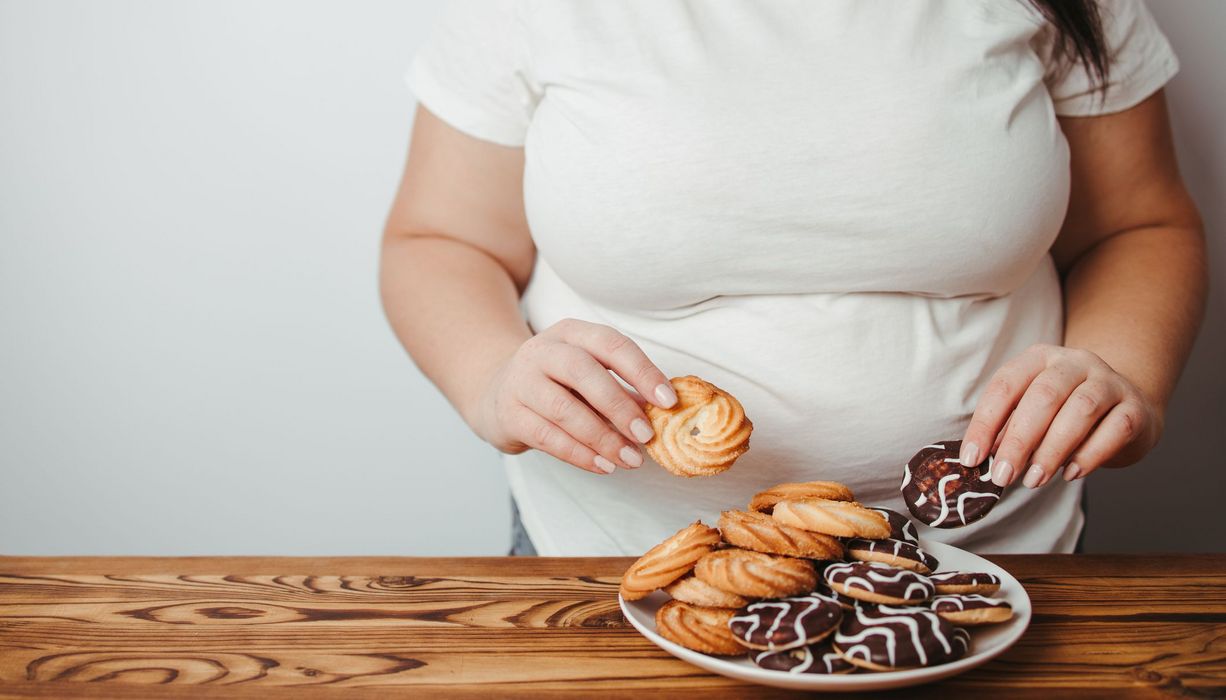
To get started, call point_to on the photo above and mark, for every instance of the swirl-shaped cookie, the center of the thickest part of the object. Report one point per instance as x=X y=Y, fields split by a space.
x=762 y=533
x=756 y=575
x=764 y=501
x=693 y=590
x=702 y=434
x=698 y=628
x=838 y=518
x=668 y=561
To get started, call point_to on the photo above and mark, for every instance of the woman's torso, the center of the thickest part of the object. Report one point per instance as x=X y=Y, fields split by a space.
x=839 y=211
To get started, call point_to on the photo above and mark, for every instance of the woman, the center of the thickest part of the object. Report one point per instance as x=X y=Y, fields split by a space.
x=877 y=224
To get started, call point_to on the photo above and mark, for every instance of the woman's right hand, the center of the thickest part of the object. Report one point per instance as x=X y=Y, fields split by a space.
x=555 y=394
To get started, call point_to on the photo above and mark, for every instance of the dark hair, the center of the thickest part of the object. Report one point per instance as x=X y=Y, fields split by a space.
x=1079 y=31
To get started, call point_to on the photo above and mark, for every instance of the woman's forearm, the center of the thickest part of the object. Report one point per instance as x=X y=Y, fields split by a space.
x=1136 y=300
x=454 y=308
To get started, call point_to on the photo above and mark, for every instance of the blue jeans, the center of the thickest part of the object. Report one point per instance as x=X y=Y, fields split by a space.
x=521 y=544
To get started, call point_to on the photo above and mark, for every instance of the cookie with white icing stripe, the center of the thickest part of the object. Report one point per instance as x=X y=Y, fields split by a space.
x=823 y=589
x=901 y=527
x=888 y=639
x=965 y=582
x=971 y=610
x=787 y=623
x=873 y=582
x=940 y=492
x=818 y=658
x=898 y=553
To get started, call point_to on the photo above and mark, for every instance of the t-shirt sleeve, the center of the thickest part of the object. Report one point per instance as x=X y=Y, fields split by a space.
x=1141 y=62
x=472 y=72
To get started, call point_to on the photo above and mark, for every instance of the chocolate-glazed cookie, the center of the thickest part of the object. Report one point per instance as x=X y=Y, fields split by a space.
x=950 y=582
x=824 y=590
x=901 y=527
x=816 y=658
x=940 y=492
x=874 y=582
x=887 y=638
x=787 y=623
x=971 y=609
x=898 y=553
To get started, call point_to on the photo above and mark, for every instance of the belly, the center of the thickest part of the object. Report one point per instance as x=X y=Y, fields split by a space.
x=845 y=386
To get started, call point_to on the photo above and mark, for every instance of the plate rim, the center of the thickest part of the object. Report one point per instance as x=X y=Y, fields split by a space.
x=858 y=681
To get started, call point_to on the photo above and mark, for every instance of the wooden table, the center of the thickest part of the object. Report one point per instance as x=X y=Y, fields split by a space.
x=374 y=627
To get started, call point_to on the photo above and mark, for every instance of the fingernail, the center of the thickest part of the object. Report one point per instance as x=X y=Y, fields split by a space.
x=665 y=395
x=604 y=465
x=970 y=454
x=1072 y=472
x=1002 y=473
x=1034 y=476
x=641 y=430
x=631 y=456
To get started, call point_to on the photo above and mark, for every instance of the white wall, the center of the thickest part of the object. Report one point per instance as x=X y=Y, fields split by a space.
x=192 y=355
x=1173 y=499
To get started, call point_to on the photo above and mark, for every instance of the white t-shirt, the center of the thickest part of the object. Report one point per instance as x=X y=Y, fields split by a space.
x=838 y=211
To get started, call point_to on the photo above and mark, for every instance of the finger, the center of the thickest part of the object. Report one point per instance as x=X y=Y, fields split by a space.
x=1085 y=407
x=562 y=408
x=573 y=367
x=1029 y=422
x=538 y=433
x=622 y=355
x=1122 y=424
x=996 y=404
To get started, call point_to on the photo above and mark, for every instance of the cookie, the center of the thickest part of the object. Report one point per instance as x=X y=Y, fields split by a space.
x=901 y=527
x=940 y=492
x=668 y=561
x=698 y=628
x=971 y=610
x=898 y=553
x=951 y=582
x=815 y=658
x=888 y=639
x=693 y=590
x=756 y=575
x=787 y=623
x=837 y=518
x=702 y=434
x=823 y=589
x=762 y=533
x=765 y=501
x=873 y=582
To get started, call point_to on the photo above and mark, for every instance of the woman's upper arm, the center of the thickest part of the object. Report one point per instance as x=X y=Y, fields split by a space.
x=1124 y=177
x=462 y=188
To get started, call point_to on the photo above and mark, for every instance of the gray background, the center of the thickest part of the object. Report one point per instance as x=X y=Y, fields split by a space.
x=192 y=355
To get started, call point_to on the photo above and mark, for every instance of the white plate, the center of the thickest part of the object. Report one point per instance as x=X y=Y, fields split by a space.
x=987 y=642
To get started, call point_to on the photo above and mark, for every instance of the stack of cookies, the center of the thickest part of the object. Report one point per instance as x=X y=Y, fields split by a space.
x=807 y=580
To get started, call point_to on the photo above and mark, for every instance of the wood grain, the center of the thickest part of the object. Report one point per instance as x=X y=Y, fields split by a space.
x=267 y=627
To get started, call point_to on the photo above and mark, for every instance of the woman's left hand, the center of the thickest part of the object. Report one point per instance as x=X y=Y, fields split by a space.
x=1054 y=407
